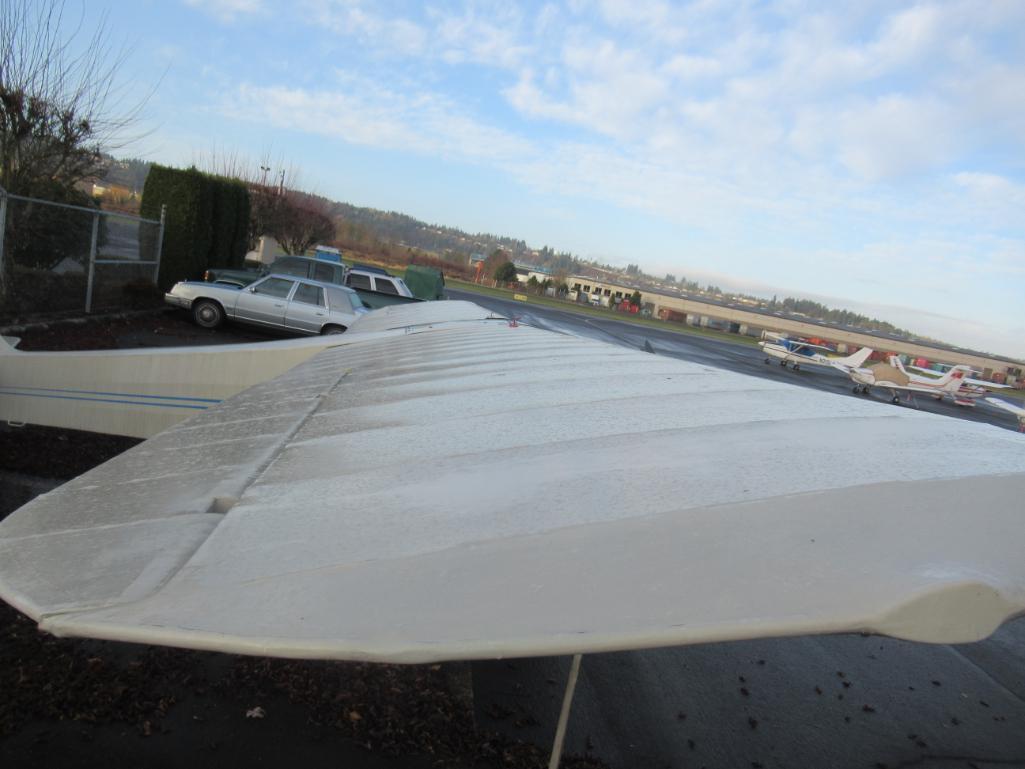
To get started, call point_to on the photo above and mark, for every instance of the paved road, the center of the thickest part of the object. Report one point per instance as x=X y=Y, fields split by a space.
x=733 y=356
x=831 y=701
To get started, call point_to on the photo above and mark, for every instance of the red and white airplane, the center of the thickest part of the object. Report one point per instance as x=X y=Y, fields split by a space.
x=896 y=380
x=970 y=390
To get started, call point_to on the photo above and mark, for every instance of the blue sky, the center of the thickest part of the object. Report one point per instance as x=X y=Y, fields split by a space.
x=869 y=155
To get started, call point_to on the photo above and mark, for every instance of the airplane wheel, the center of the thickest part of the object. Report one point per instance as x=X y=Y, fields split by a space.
x=766 y=361
x=896 y=399
x=797 y=367
x=783 y=363
x=855 y=389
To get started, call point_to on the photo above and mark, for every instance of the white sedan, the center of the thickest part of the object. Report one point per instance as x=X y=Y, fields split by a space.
x=276 y=301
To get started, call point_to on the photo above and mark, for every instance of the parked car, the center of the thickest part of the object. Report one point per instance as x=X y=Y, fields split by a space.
x=375 y=281
x=298 y=266
x=379 y=290
x=277 y=301
x=369 y=268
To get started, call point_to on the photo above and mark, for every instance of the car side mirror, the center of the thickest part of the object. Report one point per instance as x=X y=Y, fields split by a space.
x=252 y=289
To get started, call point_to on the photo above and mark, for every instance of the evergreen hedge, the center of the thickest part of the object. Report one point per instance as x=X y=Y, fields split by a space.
x=206 y=225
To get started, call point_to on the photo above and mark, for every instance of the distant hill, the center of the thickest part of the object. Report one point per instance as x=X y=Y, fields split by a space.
x=130 y=173
x=404 y=230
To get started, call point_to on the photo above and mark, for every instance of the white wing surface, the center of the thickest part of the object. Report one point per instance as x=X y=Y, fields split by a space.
x=474 y=489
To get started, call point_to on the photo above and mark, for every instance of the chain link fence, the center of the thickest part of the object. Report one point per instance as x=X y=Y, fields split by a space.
x=57 y=258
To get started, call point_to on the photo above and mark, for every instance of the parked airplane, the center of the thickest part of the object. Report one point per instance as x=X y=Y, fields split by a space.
x=896 y=380
x=964 y=395
x=1018 y=411
x=971 y=389
x=797 y=353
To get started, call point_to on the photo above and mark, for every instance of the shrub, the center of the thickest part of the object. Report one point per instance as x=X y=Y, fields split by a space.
x=206 y=224
x=505 y=272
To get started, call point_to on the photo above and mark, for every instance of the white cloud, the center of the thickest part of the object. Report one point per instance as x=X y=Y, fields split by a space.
x=686 y=67
x=350 y=17
x=909 y=34
x=229 y=10
x=366 y=114
x=992 y=187
x=895 y=136
x=485 y=34
x=654 y=17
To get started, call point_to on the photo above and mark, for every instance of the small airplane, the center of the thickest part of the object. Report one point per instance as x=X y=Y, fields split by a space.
x=897 y=380
x=797 y=352
x=1018 y=411
x=971 y=389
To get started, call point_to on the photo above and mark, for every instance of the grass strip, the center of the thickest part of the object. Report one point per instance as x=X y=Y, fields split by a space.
x=603 y=314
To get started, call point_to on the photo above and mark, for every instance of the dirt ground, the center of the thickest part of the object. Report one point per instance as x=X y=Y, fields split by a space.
x=81 y=703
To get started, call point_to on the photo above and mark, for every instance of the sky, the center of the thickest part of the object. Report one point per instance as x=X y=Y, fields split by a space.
x=868 y=155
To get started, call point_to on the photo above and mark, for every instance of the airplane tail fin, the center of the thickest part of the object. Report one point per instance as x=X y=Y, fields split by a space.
x=896 y=362
x=855 y=360
x=951 y=381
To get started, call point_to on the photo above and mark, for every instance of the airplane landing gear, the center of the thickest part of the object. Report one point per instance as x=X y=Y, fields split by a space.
x=783 y=363
x=895 y=399
x=766 y=361
x=797 y=367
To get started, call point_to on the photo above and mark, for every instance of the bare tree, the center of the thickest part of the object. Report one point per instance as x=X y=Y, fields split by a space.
x=295 y=219
x=301 y=222
x=55 y=105
x=58 y=100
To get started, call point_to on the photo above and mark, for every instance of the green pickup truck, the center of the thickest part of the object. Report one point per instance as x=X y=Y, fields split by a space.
x=375 y=287
x=297 y=266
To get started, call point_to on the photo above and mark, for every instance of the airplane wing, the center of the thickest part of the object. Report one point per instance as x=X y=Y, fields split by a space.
x=1011 y=407
x=913 y=387
x=966 y=380
x=988 y=385
x=479 y=489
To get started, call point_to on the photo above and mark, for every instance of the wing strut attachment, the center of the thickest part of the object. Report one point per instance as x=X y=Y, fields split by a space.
x=567 y=702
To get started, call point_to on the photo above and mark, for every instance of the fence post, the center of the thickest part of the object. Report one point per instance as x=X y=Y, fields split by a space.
x=3 y=236
x=92 y=264
x=160 y=241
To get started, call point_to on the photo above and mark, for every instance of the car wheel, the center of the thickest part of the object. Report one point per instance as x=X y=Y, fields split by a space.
x=333 y=330
x=207 y=313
